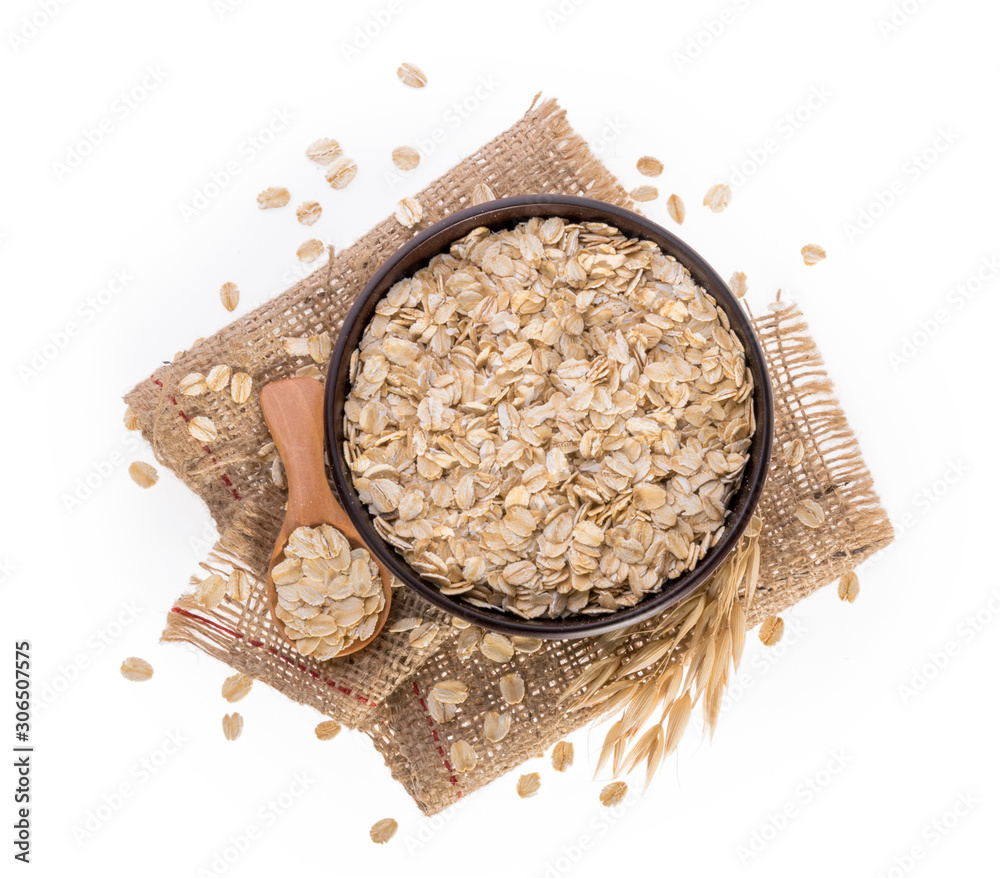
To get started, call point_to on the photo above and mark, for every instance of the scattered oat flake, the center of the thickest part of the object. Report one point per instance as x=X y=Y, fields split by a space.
x=613 y=793
x=794 y=451
x=383 y=830
x=236 y=687
x=217 y=378
x=308 y=212
x=463 y=756
x=238 y=585
x=239 y=387
x=309 y=371
x=771 y=630
x=136 y=669
x=424 y=635
x=296 y=347
x=496 y=726
x=450 y=691
x=320 y=347
x=481 y=193
x=411 y=75
x=813 y=253
x=645 y=193
x=512 y=688
x=409 y=212
x=407 y=624
x=324 y=150
x=406 y=158
x=210 y=591
x=192 y=384
x=130 y=419
x=526 y=645
x=143 y=474
x=529 y=784
x=276 y=196
x=649 y=166
x=341 y=171
x=229 y=294
x=460 y=624
x=232 y=726
x=497 y=647
x=277 y=473
x=202 y=429
x=718 y=197
x=738 y=284
x=675 y=207
x=810 y=513
x=849 y=587
x=327 y=730
x=310 y=251
x=562 y=756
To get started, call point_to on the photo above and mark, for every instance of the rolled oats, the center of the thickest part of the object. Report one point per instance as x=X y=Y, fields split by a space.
x=529 y=784
x=136 y=670
x=409 y=212
x=143 y=474
x=548 y=420
x=481 y=193
x=738 y=284
x=496 y=647
x=463 y=756
x=324 y=151
x=411 y=75
x=383 y=830
x=229 y=294
x=771 y=630
x=239 y=387
x=614 y=793
x=238 y=586
x=276 y=196
x=210 y=591
x=794 y=452
x=308 y=212
x=512 y=688
x=192 y=384
x=329 y=596
x=218 y=378
x=645 y=193
x=675 y=207
x=718 y=197
x=327 y=730
x=849 y=587
x=202 y=429
x=236 y=687
x=649 y=166
x=232 y=726
x=496 y=726
x=810 y=513
x=562 y=756
x=341 y=171
x=813 y=253
x=406 y=158
x=310 y=251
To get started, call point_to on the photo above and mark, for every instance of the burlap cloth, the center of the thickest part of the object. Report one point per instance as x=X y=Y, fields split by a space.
x=382 y=689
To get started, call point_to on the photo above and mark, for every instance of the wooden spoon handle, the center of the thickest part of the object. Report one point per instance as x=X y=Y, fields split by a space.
x=293 y=410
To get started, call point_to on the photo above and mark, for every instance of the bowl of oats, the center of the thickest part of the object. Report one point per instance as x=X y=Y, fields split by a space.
x=549 y=417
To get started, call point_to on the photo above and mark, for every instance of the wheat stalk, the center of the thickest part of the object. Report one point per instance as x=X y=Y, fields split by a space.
x=686 y=657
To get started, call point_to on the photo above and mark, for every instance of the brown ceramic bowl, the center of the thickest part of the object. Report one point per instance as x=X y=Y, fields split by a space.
x=506 y=213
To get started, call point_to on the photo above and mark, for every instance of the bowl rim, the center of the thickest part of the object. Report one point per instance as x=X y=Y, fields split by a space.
x=507 y=212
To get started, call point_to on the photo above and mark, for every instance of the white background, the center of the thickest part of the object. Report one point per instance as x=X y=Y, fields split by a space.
x=855 y=683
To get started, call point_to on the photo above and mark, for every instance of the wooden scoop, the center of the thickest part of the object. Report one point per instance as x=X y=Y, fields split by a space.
x=293 y=410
